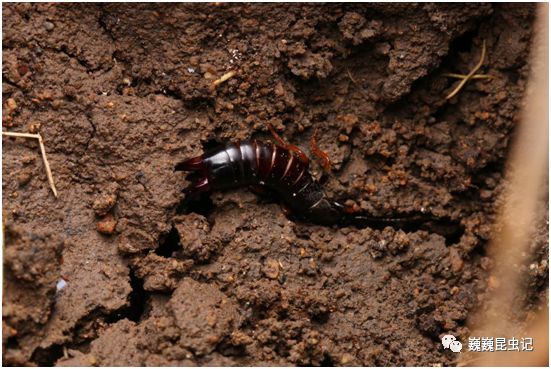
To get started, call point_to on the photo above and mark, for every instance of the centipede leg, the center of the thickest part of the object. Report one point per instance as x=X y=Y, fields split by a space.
x=300 y=154
x=322 y=156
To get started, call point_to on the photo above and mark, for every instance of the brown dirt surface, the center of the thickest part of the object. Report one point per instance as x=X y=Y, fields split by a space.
x=123 y=92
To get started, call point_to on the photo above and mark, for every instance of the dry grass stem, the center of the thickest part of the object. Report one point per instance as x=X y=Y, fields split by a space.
x=364 y=94
x=224 y=78
x=469 y=76
x=38 y=137
x=463 y=76
x=500 y=316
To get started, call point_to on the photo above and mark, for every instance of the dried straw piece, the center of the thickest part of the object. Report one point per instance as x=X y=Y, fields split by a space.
x=42 y=150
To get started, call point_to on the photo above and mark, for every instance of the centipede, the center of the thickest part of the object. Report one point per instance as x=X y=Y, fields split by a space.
x=284 y=169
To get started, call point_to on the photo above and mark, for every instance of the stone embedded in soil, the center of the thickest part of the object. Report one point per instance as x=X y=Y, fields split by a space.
x=104 y=203
x=107 y=225
x=271 y=268
x=11 y=105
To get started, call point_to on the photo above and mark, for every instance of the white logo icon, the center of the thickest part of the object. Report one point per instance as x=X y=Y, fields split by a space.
x=449 y=342
x=456 y=346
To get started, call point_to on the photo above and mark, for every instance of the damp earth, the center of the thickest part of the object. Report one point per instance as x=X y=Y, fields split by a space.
x=112 y=273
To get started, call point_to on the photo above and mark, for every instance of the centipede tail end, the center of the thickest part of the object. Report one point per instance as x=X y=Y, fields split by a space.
x=198 y=174
x=190 y=165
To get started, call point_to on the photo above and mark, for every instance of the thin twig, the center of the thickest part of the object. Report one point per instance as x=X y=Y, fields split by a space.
x=471 y=73
x=224 y=78
x=364 y=94
x=463 y=76
x=38 y=137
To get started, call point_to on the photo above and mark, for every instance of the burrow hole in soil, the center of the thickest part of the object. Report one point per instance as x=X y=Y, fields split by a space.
x=199 y=203
x=327 y=361
x=169 y=244
x=464 y=43
x=47 y=356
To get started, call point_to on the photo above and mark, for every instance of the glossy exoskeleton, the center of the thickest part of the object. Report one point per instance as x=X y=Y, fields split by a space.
x=265 y=164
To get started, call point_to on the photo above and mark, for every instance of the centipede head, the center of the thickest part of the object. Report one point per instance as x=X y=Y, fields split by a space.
x=198 y=174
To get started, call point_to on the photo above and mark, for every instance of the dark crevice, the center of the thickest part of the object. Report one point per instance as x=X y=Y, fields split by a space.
x=64 y=49
x=88 y=116
x=138 y=298
x=105 y=20
x=464 y=42
x=198 y=203
x=321 y=317
x=10 y=82
x=12 y=342
x=47 y=356
x=327 y=360
x=169 y=244
x=137 y=302
x=134 y=312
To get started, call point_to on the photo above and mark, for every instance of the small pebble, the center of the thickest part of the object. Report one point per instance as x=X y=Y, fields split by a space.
x=56 y=104
x=49 y=26
x=61 y=284
x=346 y=359
x=343 y=138
x=11 y=105
x=34 y=127
x=107 y=224
x=271 y=268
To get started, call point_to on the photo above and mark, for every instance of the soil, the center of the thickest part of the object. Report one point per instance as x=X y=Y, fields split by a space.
x=112 y=273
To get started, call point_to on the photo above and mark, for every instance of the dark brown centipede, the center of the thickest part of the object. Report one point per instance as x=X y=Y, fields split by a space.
x=284 y=169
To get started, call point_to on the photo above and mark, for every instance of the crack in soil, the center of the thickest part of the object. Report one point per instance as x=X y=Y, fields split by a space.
x=137 y=304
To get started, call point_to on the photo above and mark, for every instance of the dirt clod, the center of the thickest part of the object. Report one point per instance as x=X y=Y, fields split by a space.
x=105 y=201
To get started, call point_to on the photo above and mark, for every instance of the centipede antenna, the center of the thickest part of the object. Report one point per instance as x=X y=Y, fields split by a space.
x=321 y=155
x=294 y=149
